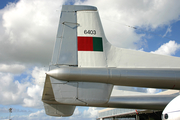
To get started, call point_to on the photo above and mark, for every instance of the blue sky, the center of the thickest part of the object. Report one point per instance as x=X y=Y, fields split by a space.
x=5 y=2
x=28 y=29
x=157 y=38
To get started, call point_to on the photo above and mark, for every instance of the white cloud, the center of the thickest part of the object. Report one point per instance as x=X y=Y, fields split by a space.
x=77 y=112
x=14 y=68
x=11 y=92
x=39 y=75
x=167 y=31
x=34 y=97
x=27 y=92
x=34 y=91
x=28 y=31
x=76 y=115
x=92 y=112
x=169 y=48
x=14 y=110
x=38 y=113
x=152 y=90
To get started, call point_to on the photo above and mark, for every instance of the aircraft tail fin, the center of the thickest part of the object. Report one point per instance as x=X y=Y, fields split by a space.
x=80 y=39
x=79 y=43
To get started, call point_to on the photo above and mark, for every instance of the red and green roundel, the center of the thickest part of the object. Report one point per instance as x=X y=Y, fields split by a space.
x=90 y=44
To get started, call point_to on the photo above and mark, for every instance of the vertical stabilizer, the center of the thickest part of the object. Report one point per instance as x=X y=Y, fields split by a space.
x=79 y=43
x=80 y=38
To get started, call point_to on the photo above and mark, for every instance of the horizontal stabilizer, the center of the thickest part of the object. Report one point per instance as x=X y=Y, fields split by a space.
x=59 y=110
x=52 y=107
x=82 y=93
x=126 y=58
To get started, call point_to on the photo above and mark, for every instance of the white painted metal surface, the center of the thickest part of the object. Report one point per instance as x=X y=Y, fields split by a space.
x=59 y=110
x=172 y=110
x=81 y=93
x=125 y=58
x=90 y=21
x=65 y=49
x=167 y=78
x=91 y=59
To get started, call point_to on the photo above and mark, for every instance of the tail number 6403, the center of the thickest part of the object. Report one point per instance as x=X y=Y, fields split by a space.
x=91 y=32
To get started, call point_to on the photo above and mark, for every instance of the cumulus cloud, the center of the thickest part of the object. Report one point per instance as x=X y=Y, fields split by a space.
x=28 y=31
x=169 y=48
x=11 y=92
x=34 y=91
x=14 y=110
x=23 y=92
x=38 y=113
x=77 y=112
x=92 y=112
x=89 y=113
x=14 y=68
x=34 y=97
x=38 y=75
